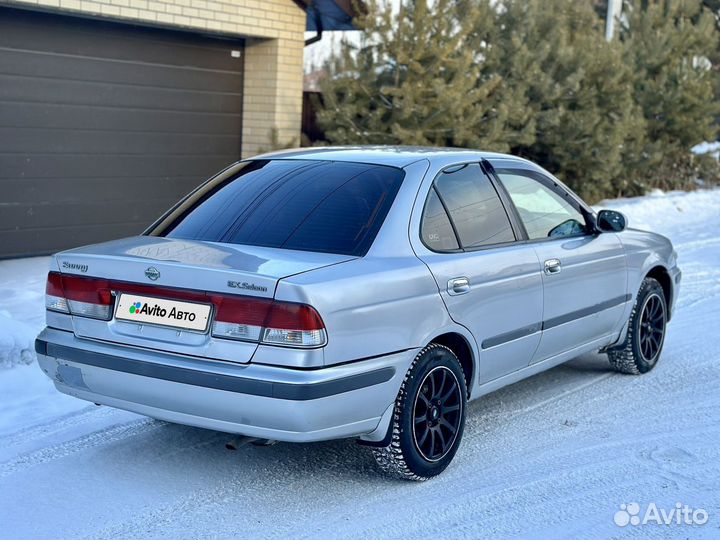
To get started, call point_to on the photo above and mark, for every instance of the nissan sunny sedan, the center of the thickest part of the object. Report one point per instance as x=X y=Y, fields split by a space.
x=370 y=293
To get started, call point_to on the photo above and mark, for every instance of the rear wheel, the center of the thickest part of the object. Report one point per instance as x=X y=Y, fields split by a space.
x=646 y=331
x=429 y=417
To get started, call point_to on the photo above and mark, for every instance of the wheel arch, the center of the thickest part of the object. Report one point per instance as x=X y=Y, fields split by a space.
x=661 y=274
x=460 y=345
x=456 y=338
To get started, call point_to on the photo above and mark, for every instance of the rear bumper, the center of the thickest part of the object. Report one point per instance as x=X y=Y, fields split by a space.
x=249 y=399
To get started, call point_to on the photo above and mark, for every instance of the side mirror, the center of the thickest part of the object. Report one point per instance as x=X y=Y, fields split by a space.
x=611 y=221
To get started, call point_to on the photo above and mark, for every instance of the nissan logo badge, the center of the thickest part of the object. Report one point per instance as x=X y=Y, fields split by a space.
x=152 y=273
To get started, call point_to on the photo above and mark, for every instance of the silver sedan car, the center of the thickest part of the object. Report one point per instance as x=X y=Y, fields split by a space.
x=370 y=293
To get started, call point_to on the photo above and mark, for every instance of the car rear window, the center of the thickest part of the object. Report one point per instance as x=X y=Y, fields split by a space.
x=325 y=206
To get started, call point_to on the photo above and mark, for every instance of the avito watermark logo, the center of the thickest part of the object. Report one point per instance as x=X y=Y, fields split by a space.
x=140 y=308
x=680 y=514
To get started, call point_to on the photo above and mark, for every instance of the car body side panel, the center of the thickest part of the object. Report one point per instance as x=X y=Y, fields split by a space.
x=587 y=298
x=503 y=308
x=644 y=251
x=370 y=306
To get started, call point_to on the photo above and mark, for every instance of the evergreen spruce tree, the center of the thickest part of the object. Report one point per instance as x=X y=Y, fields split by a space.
x=423 y=75
x=537 y=78
x=579 y=89
x=670 y=45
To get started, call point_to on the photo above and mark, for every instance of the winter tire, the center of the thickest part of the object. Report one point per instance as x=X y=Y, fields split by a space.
x=646 y=332
x=429 y=417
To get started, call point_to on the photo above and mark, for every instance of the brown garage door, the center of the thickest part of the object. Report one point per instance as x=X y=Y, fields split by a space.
x=103 y=126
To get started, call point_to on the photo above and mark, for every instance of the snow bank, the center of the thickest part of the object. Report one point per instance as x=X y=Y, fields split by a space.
x=668 y=213
x=22 y=308
x=712 y=148
x=16 y=341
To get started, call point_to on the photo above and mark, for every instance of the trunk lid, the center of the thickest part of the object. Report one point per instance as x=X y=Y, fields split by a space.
x=172 y=264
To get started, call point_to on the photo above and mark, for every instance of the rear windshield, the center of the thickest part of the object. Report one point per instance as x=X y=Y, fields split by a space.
x=331 y=207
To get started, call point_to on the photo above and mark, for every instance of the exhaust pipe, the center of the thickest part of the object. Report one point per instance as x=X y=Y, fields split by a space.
x=239 y=442
x=263 y=442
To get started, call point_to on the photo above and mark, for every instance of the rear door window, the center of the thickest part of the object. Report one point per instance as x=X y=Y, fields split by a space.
x=475 y=208
x=330 y=207
x=436 y=229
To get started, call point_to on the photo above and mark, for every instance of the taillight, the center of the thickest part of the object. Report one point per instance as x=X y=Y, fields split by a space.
x=295 y=325
x=268 y=321
x=86 y=297
x=236 y=317
x=239 y=318
x=54 y=295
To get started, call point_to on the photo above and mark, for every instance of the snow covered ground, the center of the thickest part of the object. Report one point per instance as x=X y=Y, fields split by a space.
x=550 y=457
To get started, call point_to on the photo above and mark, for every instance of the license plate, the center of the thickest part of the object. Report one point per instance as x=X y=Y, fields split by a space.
x=145 y=309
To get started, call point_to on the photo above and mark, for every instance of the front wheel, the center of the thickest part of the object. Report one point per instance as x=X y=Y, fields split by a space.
x=646 y=331
x=429 y=417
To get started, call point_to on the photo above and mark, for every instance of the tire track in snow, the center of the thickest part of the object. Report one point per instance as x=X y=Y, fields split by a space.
x=694 y=244
x=60 y=423
x=558 y=397
x=212 y=496
x=518 y=481
x=231 y=486
x=494 y=411
x=91 y=440
x=502 y=484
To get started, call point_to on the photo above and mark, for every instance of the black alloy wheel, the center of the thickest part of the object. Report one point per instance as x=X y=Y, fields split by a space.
x=640 y=351
x=437 y=413
x=428 y=416
x=652 y=327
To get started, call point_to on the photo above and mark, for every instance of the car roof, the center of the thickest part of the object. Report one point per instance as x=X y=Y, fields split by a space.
x=395 y=156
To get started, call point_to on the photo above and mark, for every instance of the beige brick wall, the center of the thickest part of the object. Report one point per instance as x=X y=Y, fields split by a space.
x=274 y=30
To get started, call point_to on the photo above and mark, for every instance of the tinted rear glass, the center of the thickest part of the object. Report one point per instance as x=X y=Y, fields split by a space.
x=331 y=207
x=436 y=229
x=474 y=206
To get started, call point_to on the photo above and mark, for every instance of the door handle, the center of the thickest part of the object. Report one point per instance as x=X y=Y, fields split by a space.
x=458 y=286
x=553 y=266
